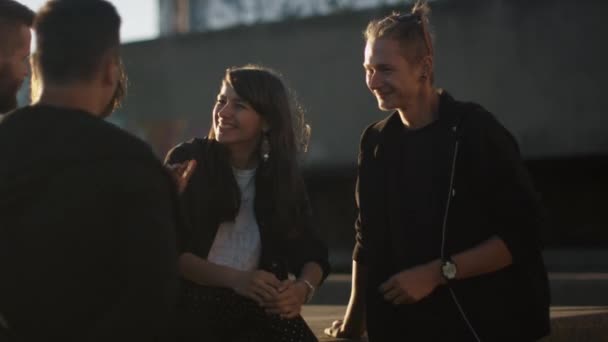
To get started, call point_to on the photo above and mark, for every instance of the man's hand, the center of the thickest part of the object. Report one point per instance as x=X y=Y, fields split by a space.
x=260 y=286
x=288 y=304
x=181 y=173
x=412 y=285
x=353 y=325
x=340 y=330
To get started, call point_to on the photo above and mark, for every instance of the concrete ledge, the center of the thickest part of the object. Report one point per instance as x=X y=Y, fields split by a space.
x=579 y=314
x=580 y=324
x=320 y=317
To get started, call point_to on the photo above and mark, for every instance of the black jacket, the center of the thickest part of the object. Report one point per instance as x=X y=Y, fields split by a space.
x=87 y=230
x=280 y=253
x=491 y=195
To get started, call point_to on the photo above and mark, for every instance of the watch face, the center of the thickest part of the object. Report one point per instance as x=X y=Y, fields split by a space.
x=449 y=270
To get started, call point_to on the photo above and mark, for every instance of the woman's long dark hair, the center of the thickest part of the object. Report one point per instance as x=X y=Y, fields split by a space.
x=278 y=179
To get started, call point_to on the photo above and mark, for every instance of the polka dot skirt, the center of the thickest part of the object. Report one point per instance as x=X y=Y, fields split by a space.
x=219 y=314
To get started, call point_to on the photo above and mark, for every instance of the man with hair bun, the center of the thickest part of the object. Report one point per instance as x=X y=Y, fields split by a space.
x=448 y=232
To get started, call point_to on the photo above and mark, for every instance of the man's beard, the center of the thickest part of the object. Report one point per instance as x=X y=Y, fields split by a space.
x=9 y=87
x=118 y=96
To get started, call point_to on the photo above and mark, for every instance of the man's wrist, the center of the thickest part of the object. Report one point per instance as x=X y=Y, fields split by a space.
x=354 y=325
x=436 y=266
x=449 y=270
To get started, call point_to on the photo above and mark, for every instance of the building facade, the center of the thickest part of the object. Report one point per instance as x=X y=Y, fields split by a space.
x=180 y=16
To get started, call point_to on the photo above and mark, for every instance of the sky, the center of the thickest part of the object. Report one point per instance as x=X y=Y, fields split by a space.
x=139 y=17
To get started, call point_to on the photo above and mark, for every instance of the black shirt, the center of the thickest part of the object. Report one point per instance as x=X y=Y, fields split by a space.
x=87 y=220
x=423 y=190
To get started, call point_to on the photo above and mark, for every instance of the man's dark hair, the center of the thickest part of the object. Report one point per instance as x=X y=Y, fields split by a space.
x=12 y=15
x=73 y=37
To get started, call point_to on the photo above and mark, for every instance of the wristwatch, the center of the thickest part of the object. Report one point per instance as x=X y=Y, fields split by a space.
x=448 y=269
x=311 y=290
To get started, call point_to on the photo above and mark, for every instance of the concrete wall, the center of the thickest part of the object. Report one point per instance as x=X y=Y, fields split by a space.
x=538 y=65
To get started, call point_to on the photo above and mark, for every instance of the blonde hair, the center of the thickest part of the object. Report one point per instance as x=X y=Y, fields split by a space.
x=411 y=29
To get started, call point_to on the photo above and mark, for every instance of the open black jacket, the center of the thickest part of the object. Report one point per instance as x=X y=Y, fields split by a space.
x=281 y=253
x=491 y=195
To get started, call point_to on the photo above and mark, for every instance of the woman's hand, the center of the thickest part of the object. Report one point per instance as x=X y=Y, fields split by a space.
x=288 y=304
x=260 y=286
x=181 y=173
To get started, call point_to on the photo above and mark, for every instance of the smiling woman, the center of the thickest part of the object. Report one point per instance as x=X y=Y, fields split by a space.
x=249 y=215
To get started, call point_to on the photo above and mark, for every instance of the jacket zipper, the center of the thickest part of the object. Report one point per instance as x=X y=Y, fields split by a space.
x=452 y=193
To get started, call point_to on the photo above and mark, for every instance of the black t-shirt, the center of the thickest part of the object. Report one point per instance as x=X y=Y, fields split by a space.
x=424 y=168
x=87 y=220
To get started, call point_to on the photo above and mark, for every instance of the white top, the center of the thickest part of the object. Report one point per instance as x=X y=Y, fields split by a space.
x=237 y=244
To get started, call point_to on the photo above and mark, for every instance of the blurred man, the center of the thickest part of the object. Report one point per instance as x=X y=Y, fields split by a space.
x=448 y=245
x=15 y=37
x=87 y=212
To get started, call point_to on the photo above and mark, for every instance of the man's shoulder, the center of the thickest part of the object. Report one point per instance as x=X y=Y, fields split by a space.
x=475 y=113
x=458 y=111
x=66 y=122
x=479 y=124
x=106 y=138
x=476 y=118
x=125 y=143
x=72 y=136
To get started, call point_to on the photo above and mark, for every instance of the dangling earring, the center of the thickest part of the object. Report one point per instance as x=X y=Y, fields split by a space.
x=265 y=146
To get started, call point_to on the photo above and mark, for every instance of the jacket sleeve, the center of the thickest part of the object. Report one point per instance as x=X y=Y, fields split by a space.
x=360 y=250
x=307 y=246
x=514 y=205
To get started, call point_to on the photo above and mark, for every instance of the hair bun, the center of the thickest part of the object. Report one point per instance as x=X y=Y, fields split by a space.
x=421 y=9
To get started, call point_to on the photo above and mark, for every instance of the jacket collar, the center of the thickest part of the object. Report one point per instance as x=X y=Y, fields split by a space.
x=449 y=115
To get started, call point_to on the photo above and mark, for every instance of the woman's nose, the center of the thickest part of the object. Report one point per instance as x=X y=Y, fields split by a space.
x=224 y=111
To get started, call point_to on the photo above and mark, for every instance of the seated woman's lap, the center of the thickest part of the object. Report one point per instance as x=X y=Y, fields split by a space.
x=219 y=314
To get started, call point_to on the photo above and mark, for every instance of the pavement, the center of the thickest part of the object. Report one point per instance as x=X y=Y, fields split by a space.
x=579 y=312
x=568 y=323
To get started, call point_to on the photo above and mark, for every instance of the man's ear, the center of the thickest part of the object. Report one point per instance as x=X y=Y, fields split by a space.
x=426 y=67
x=110 y=70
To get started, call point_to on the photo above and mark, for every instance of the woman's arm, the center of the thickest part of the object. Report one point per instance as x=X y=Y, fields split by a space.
x=202 y=272
x=311 y=273
x=260 y=286
x=294 y=294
